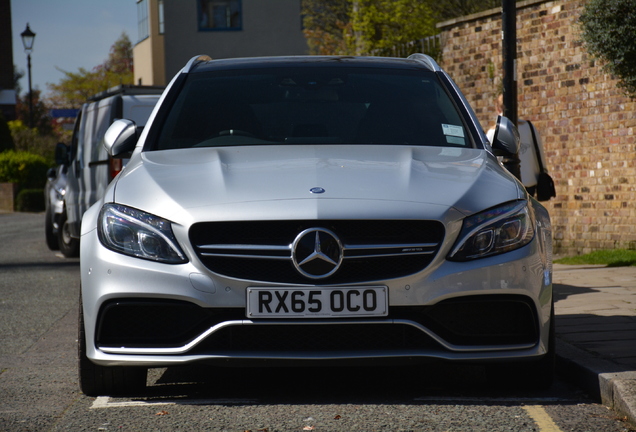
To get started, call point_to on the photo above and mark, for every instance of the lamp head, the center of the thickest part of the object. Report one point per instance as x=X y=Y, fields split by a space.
x=28 y=37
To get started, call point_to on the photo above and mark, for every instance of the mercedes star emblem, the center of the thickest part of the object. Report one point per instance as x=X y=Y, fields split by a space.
x=317 y=253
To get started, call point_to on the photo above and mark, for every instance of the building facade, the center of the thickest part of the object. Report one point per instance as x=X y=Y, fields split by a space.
x=173 y=31
x=148 y=53
x=587 y=124
x=7 y=90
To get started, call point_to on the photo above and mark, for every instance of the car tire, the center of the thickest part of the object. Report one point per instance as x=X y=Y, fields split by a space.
x=69 y=246
x=537 y=375
x=96 y=380
x=51 y=237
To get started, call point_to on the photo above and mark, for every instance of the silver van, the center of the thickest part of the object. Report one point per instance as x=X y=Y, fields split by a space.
x=90 y=169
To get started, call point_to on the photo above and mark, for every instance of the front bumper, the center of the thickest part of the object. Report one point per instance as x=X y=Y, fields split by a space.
x=142 y=313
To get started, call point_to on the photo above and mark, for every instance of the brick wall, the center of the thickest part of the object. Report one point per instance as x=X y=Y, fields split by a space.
x=586 y=123
x=7 y=197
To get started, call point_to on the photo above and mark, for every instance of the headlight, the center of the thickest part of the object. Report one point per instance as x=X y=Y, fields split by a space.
x=59 y=193
x=495 y=231
x=139 y=234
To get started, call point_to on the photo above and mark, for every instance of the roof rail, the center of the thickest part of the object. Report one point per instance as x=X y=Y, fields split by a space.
x=427 y=60
x=195 y=61
x=127 y=89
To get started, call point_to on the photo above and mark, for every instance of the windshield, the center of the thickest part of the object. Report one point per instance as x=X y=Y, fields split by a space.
x=312 y=106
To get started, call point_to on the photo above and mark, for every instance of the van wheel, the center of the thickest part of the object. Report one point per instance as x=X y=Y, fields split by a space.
x=69 y=246
x=51 y=237
x=96 y=380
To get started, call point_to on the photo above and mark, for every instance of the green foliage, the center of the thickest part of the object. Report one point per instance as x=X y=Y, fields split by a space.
x=26 y=169
x=120 y=57
x=608 y=28
x=379 y=24
x=349 y=27
x=610 y=258
x=30 y=200
x=41 y=120
x=32 y=141
x=6 y=140
x=77 y=87
x=325 y=25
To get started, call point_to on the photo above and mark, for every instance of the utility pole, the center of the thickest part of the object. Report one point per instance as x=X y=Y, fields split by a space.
x=30 y=92
x=28 y=37
x=509 y=51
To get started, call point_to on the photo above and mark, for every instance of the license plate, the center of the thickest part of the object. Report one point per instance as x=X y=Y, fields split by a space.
x=317 y=302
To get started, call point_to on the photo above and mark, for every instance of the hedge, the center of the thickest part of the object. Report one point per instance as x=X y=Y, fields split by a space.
x=608 y=28
x=30 y=200
x=27 y=170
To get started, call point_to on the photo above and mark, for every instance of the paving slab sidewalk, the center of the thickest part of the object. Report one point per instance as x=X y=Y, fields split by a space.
x=595 y=310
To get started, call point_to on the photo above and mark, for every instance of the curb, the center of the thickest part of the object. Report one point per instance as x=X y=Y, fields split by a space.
x=607 y=382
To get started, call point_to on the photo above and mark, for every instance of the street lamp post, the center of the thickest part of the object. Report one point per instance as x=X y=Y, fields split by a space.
x=28 y=37
x=509 y=50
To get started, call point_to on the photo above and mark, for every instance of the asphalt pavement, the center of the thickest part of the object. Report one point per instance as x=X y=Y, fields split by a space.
x=596 y=332
x=595 y=307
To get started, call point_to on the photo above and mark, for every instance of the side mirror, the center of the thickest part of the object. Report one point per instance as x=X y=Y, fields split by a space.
x=121 y=138
x=51 y=173
x=506 y=140
x=62 y=154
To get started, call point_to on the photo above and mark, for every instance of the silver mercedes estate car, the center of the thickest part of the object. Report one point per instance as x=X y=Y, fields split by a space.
x=303 y=210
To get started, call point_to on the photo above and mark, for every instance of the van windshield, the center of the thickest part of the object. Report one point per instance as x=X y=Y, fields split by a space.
x=312 y=106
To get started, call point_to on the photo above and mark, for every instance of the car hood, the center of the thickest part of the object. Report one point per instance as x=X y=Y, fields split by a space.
x=313 y=181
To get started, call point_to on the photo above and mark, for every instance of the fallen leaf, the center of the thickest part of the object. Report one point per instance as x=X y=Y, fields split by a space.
x=337 y=417
x=162 y=413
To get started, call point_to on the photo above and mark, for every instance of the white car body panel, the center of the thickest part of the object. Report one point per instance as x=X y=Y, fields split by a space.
x=162 y=182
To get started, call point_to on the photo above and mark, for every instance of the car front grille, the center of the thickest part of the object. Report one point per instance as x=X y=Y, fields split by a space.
x=472 y=321
x=262 y=250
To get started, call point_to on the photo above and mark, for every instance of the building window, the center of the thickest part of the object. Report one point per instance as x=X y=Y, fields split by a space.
x=142 y=19
x=220 y=15
x=161 y=21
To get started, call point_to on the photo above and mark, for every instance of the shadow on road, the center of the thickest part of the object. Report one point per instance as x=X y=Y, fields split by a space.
x=40 y=265
x=562 y=292
x=437 y=383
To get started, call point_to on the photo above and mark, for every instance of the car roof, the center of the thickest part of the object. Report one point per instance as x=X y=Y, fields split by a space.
x=414 y=62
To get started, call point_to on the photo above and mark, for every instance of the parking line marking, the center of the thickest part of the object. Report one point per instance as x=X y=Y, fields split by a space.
x=105 y=402
x=541 y=418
